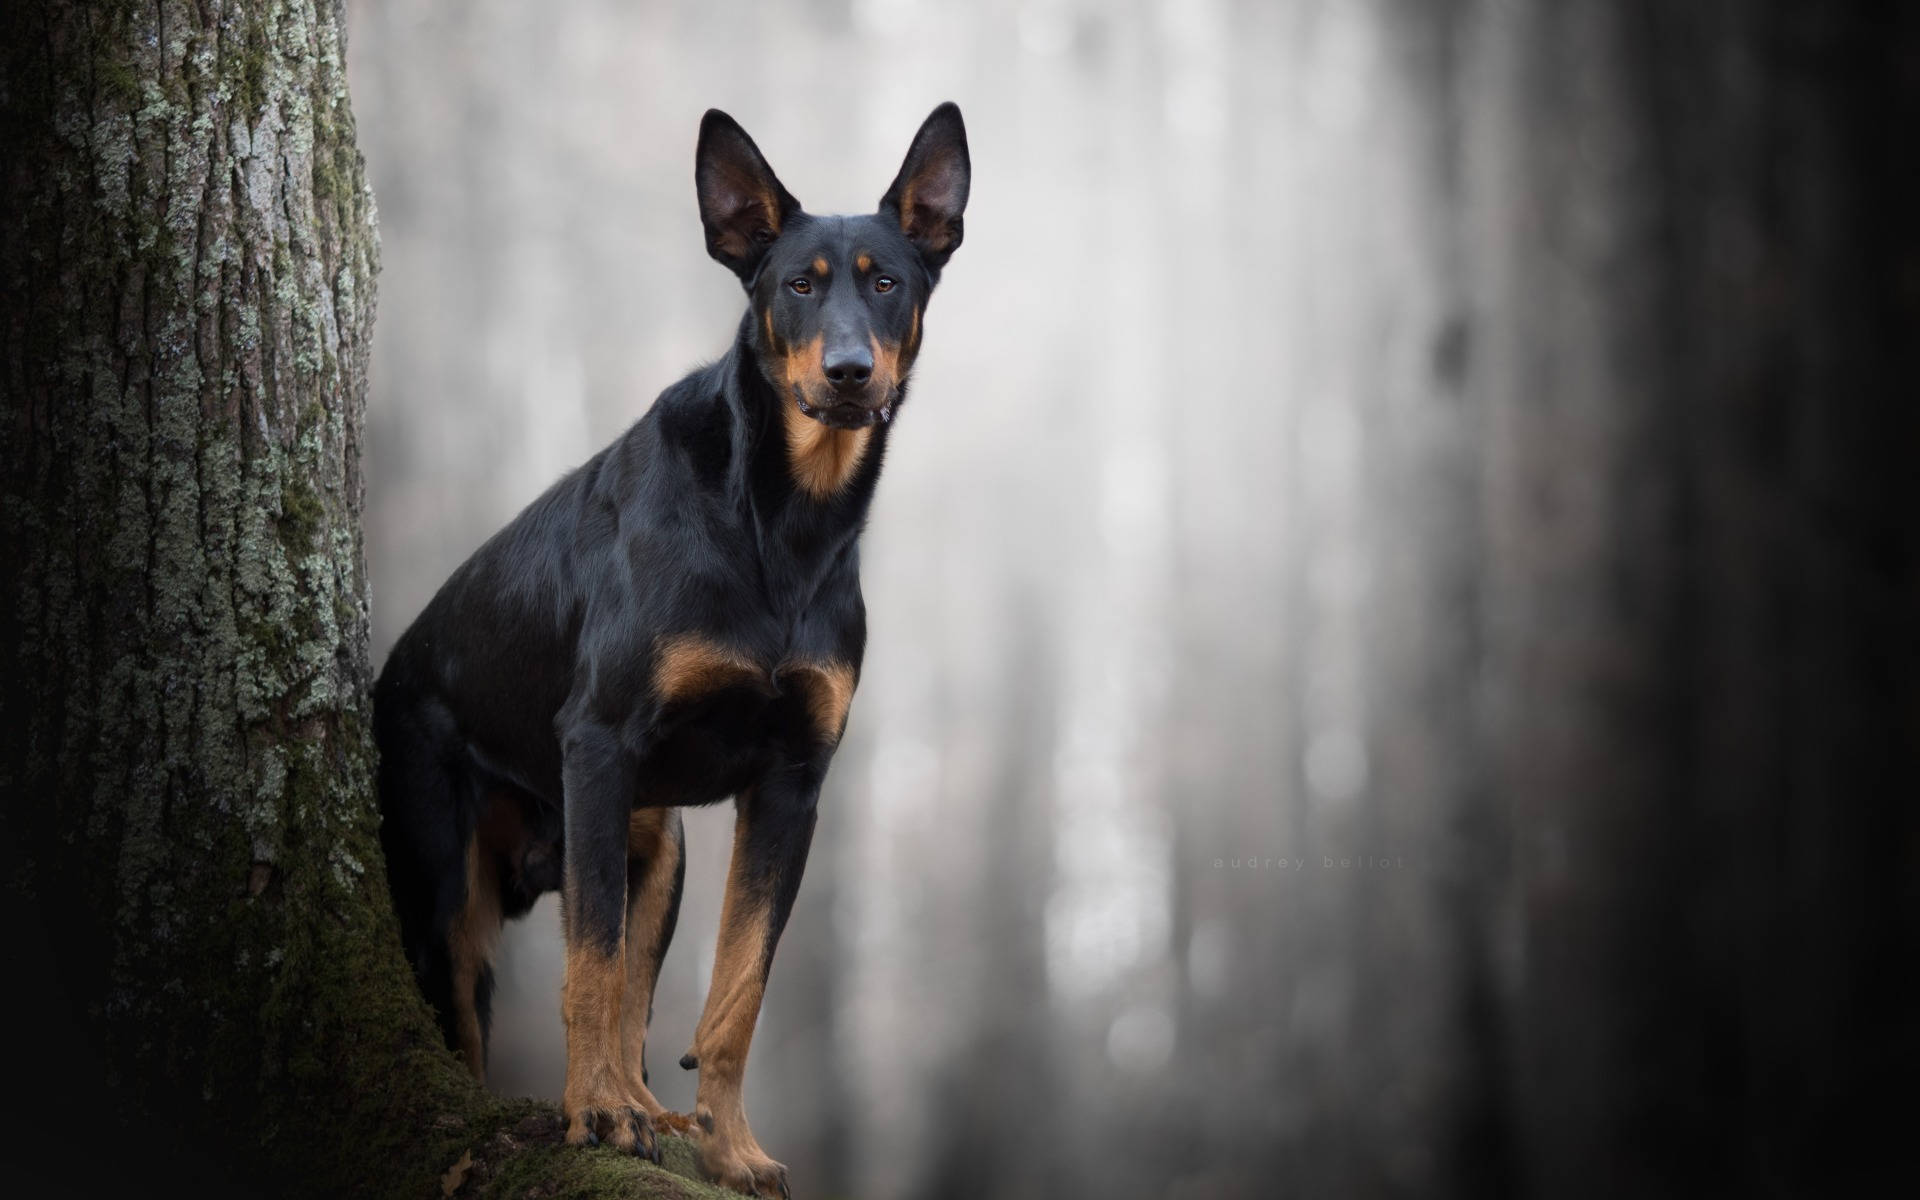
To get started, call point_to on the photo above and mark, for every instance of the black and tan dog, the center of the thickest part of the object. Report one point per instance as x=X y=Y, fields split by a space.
x=676 y=622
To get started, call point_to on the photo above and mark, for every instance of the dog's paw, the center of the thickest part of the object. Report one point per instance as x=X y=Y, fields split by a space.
x=737 y=1162
x=621 y=1124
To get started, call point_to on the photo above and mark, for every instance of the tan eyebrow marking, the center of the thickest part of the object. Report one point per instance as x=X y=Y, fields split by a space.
x=864 y=262
x=820 y=267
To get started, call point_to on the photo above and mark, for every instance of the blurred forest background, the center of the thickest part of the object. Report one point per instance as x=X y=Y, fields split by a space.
x=1392 y=650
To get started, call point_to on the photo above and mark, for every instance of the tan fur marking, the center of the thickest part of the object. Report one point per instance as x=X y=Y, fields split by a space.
x=725 y=1031
x=823 y=459
x=801 y=368
x=890 y=363
x=590 y=1006
x=829 y=688
x=864 y=262
x=653 y=849
x=767 y=318
x=471 y=943
x=686 y=665
x=590 y=1003
x=728 y=1150
x=820 y=267
x=647 y=831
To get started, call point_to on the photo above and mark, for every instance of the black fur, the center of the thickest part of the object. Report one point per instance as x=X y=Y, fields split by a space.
x=522 y=694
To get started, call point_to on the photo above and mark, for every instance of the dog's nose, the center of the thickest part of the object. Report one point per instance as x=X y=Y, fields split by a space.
x=850 y=370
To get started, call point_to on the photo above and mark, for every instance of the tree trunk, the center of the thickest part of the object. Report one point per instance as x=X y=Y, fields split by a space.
x=188 y=266
x=1701 y=592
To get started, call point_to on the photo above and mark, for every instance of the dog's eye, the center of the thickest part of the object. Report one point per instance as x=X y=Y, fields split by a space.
x=883 y=284
x=801 y=287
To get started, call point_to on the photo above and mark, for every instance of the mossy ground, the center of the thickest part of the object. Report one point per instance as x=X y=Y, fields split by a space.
x=521 y=1155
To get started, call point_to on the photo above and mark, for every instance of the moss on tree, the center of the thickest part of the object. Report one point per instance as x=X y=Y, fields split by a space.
x=188 y=264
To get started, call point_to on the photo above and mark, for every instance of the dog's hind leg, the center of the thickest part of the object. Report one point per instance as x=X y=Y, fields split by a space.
x=471 y=940
x=427 y=833
x=656 y=871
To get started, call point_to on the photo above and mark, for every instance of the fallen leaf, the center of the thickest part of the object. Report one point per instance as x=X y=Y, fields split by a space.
x=456 y=1174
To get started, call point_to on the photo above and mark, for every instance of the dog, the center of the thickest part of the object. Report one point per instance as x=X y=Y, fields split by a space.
x=676 y=622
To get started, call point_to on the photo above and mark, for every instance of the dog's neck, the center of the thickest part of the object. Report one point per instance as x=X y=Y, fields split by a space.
x=811 y=484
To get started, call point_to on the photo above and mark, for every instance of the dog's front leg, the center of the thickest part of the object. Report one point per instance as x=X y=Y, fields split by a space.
x=656 y=870
x=773 y=826
x=598 y=778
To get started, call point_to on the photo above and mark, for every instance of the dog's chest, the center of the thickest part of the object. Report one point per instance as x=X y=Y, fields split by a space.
x=724 y=713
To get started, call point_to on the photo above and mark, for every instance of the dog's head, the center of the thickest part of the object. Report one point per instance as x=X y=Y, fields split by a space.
x=838 y=302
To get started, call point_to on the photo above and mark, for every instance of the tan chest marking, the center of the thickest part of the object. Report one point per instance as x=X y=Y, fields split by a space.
x=829 y=688
x=822 y=459
x=687 y=666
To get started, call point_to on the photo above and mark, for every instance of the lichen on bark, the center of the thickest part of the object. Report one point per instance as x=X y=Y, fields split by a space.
x=188 y=265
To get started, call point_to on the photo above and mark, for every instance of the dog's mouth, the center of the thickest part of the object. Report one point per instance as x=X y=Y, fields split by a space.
x=847 y=414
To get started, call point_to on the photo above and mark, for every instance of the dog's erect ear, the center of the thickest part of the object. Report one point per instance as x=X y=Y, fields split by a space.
x=930 y=193
x=742 y=204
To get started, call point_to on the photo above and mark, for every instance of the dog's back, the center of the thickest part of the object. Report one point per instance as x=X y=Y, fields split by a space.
x=464 y=711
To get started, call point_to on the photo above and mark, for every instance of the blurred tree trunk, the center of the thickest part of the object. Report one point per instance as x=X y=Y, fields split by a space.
x=1702 y=590
x=187 y=267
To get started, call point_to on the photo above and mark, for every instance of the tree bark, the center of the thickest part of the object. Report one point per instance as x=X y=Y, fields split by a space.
x=188 y=261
